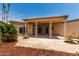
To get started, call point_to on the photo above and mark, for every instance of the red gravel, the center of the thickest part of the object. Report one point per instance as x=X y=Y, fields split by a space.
x=8 y=49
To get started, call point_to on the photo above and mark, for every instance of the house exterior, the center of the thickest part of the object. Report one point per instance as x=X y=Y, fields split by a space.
x=73 y=27
x=49 y=26
x=19 y=25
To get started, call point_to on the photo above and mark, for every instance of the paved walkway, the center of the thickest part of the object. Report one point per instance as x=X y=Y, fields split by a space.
x=48 y=44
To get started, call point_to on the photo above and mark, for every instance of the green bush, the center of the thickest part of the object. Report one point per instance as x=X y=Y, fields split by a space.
x=8 y=33
x=26 y=36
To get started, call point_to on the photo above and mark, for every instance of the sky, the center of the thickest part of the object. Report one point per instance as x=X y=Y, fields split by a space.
x=20 y=11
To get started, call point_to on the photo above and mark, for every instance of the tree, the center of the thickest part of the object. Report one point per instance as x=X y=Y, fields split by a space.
x=8 y=33
x=5 y=12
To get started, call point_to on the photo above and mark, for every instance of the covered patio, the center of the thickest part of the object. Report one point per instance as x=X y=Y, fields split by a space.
x=44 y=27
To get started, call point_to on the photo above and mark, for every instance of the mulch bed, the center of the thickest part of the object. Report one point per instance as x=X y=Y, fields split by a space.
x=8 y=49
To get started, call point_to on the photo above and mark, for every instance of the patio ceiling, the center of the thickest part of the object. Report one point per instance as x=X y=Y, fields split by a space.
x=55 y=19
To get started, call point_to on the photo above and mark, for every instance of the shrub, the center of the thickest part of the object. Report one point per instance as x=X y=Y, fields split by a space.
x=26 y=36
x=76 y=37
x=73 y=39
x=8 y=33
x=68 y=38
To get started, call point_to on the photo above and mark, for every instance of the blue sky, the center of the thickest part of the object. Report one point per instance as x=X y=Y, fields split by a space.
x=20 y=11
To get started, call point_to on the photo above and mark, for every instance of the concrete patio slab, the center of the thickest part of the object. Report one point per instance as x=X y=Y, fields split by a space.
x=48 y=44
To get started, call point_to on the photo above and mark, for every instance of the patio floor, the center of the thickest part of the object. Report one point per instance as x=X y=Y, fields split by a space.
x=48 y=44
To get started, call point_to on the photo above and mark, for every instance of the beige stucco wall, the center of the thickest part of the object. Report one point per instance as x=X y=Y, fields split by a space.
x=59 y=28
x=72 y=28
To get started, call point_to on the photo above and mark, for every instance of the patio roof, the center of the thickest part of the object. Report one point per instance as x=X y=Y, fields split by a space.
x=17 y=22
x=47 y=19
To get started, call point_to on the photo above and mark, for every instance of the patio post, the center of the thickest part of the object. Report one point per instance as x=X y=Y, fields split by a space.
x=50 y=29
x=36 y=23
x=25 y=28
x=65 y=30
x=18 y=29
x=32 y=29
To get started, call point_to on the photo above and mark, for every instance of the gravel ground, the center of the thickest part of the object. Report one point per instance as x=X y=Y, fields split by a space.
x=9 y=49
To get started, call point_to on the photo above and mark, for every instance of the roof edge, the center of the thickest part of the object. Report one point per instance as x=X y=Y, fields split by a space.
x=46 y=17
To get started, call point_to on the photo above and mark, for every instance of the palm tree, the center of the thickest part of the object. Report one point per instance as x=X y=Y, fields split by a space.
x=7 y=13
x=3 y=12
